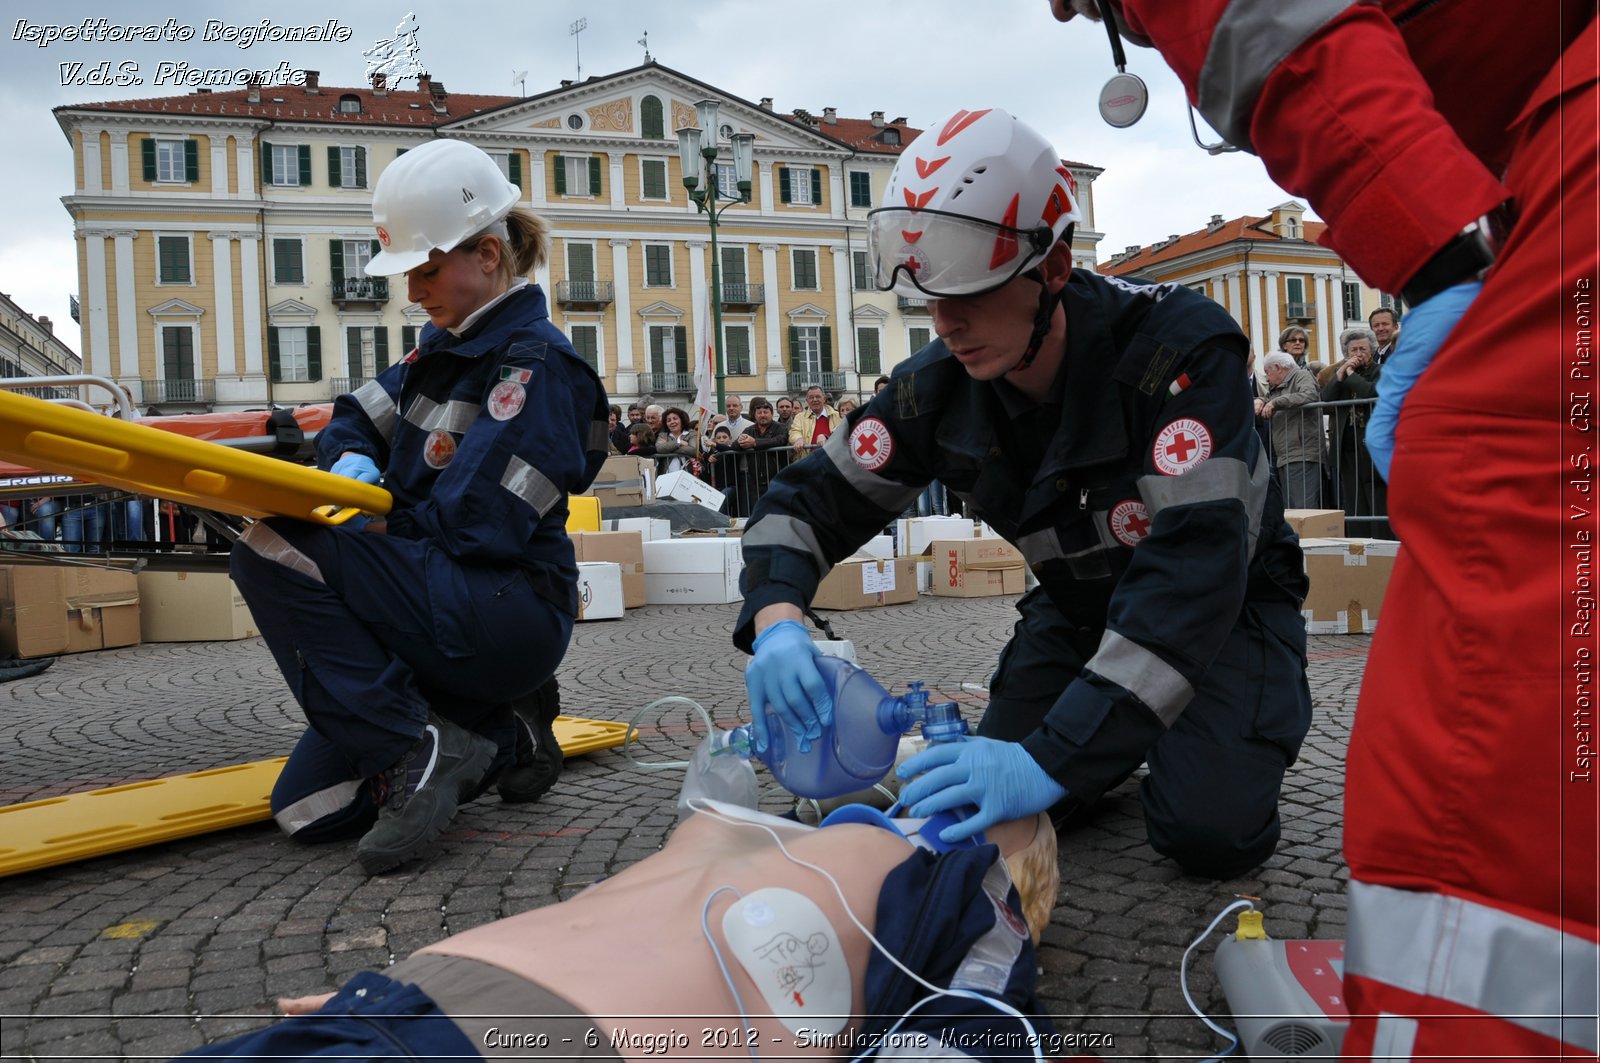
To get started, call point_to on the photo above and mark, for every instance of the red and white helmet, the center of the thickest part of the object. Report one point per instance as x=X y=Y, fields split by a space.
x=973 y=202
x=435 y=197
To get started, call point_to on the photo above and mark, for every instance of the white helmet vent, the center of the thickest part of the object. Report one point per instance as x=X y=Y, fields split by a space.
x=467 y=196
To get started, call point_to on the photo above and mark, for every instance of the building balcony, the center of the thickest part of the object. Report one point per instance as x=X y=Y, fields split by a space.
x=666 y=383
x=832 y=383
x=584 y=293
x=743 y=294
x=177 y=392
x=343 y=385
x=906 y=303
x=1300 y=311
x=360 y=291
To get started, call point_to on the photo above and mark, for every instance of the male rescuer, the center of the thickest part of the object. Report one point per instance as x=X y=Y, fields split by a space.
x=1457 y=170
x=1105 y=428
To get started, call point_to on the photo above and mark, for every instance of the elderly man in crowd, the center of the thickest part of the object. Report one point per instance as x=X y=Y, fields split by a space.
x=1296 y=431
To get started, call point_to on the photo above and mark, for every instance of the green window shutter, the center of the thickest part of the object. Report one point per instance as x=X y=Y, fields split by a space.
x=794 y=348
x=816 y=185
x=868 y=354
x=380 y=348
x=826 y=344
x=680 y=340
x=266 y=163
x=652 y=124
x=594 y=175
x=361 y=167
x=274 y=368
x=191 y=160
x=147 y=150
x=514 y=164
x=336 y=259
x=376 y=249
x=408 y=337
x=335 y=170
x=305 y=165
x=314 y=352
x=561 y=176
x=352 y=352
x=783 y=184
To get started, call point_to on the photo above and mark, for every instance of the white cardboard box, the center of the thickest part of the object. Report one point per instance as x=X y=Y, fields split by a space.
x=913 y=534
x=704 y=570
x=649 y=528
x=599 y=590
x=683 y=486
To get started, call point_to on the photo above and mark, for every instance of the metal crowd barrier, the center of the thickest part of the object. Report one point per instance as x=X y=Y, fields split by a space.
x=1342 y=476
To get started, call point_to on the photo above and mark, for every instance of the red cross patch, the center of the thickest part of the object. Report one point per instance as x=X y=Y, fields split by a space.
x=1130 y=522
x=1181 y=445
x=383 y=236
x=871 y=444
x=507 y=400
x=439 y=449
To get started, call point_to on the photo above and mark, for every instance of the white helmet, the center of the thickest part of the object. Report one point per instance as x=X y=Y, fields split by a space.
x=434 y=197
x=973 y=202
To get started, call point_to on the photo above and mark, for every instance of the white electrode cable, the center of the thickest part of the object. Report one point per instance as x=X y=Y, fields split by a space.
x=716 y=950
x=1183 y=979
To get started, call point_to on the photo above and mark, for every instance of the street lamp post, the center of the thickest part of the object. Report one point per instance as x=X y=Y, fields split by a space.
x=698 y=160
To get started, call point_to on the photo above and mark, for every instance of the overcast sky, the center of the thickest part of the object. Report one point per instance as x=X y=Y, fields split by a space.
x=859 y=56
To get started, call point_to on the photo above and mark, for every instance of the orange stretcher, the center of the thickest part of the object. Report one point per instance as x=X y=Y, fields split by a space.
x=149 y=461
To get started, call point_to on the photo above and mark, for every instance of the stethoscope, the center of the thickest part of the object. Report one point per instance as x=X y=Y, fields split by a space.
x=1124 y=97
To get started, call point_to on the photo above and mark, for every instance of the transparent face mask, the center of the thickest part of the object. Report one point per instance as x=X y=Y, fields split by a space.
x=944 y=255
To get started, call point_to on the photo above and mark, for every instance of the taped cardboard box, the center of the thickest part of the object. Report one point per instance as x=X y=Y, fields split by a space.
x=624 y=480
x=192 y=607
x=1316 y=523
x=913 y=534
x=1348 y=580
x=625 y=549
x=865 y=582
x=684 y=486
x=51 y=609
x=693 y=571
x=976 y=568
x=599 y=590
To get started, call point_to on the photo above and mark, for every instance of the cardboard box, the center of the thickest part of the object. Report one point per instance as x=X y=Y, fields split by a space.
x=684 y=486
x=1316 y=523
x=192 y=607
x=707 y=570
x=913 y=534
x=649 y=528
x=624 y=480
x=51 y=609
x=599 y=590
x=864 y=582
x=878 y=546
x=1348 y=580
x=625 y=549
x=976 y=568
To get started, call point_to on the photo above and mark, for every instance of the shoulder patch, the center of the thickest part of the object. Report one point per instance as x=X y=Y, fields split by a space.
x=871 y=445
x=1148 y=365
x=1181 y=445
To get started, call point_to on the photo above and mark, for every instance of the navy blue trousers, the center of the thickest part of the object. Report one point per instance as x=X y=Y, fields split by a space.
x=1211 y=797
x=373 y=632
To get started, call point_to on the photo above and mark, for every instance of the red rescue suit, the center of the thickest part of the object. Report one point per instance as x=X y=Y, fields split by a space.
x=1473 y=783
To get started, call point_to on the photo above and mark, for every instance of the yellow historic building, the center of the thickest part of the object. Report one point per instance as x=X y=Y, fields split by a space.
x=222 y=234
x=1268 y=271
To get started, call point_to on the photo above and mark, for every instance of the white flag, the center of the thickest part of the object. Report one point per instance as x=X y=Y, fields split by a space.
x=704 y=375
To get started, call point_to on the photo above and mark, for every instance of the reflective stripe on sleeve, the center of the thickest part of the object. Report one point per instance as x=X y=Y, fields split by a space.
x=881 y=491
x=314 y=806
x=378 y=406
x=453 y=416
x=1213 y=480
x=1249 y=42
x=1045 y=545
x=530 y=485
x=1475 y=956
x=261 y=538
x=790 y=532
x=1143 y=674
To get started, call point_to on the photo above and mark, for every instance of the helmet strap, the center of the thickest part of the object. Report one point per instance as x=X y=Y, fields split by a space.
x=1044 y=315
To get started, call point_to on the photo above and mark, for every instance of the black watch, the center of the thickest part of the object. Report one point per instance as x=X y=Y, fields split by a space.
x=1467 y=257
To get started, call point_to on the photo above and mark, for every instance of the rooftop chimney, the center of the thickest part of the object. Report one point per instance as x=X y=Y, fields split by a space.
x=766 y=103
x=566 y=83
x=47 y=324
x=899 y=121
x=424 y=83
x=380 y=84
x=830 y=115
x=436 y=95
x=312 y=77
x=877 y=119
x=253 y=92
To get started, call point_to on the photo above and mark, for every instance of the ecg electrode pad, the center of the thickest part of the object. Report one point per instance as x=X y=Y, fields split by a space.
x=786 y=945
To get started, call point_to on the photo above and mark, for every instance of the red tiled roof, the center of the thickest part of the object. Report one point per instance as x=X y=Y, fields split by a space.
x=1243 y=228
x=297 y=103
x=858 y=133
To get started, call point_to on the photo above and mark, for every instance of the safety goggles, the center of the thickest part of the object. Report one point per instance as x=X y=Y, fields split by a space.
x=944 y=255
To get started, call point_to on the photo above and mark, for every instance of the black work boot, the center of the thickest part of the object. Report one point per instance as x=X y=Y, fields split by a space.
x=539 y=758
x=418 y=795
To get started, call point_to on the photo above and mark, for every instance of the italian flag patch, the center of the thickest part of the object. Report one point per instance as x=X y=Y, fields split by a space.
x=1180 y=384
x=512 y=373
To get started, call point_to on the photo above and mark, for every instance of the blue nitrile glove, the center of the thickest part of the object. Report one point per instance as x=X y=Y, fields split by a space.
x=356 y=467
x=1000 y=778
x=782 y=678
x=1426 y=327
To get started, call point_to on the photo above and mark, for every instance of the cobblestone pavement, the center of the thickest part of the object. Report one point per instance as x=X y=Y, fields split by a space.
x=154 y=951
